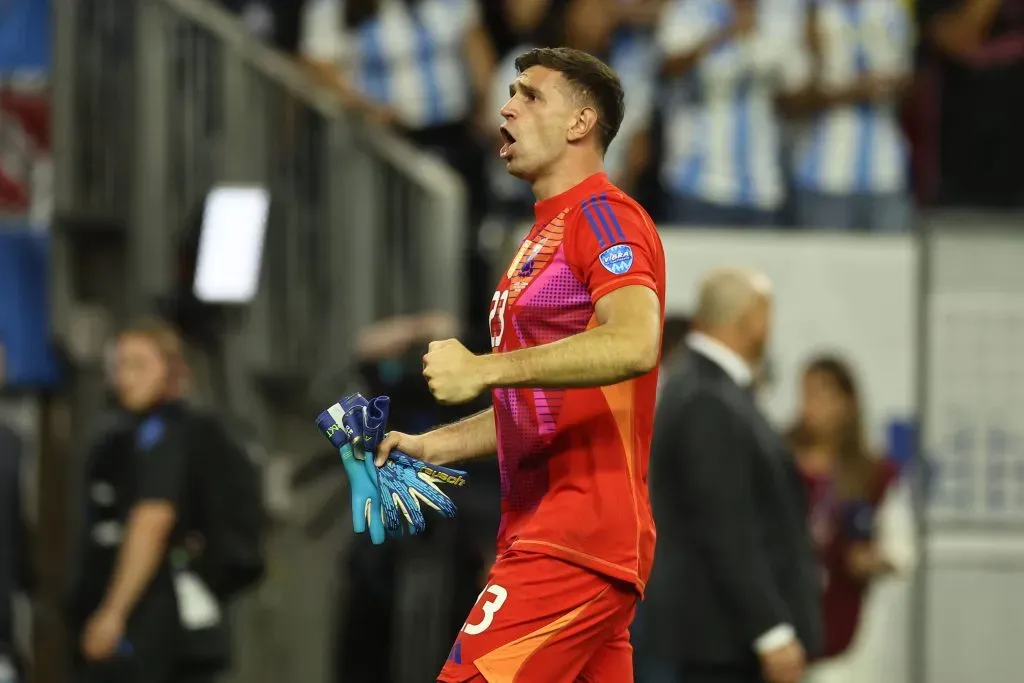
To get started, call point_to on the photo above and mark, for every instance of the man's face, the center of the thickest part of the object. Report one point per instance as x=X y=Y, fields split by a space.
x=538 y=118
x=140 y=374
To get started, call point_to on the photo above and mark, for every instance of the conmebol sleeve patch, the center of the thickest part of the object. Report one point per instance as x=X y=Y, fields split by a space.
x=617 y=259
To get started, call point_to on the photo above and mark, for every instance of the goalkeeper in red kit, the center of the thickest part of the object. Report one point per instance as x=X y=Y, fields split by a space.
x=575 y=332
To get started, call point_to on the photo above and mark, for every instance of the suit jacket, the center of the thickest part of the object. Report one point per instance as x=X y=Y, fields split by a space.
x=734 y=557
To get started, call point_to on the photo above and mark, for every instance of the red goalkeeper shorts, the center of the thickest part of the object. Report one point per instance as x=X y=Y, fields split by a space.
x=542 y=620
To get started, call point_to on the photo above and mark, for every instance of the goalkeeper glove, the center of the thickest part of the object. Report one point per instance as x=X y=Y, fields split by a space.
x=404 y=481
x=341 y=424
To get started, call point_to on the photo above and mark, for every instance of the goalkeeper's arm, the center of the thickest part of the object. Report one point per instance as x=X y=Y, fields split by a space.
x=469 y=439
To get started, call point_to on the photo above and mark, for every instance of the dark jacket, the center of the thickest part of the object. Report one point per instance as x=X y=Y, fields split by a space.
x=141 y=458
x=734 y=557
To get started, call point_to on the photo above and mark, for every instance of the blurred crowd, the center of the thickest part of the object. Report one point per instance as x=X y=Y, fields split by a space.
x=819 y=114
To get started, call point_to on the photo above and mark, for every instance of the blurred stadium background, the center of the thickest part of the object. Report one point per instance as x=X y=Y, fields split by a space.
x=119 y=117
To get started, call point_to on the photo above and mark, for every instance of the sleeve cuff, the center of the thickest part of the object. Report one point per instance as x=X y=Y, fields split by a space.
x=620 y=282
x=778 y=637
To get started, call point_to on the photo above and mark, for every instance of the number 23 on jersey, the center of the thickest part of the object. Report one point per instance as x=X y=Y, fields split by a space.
x=496 y=318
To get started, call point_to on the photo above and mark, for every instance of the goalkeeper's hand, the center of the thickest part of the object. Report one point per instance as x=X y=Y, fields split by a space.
x=413 y=445
x=406 y=483
x=339 y=424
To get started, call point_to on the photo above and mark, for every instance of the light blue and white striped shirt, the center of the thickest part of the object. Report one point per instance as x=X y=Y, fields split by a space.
x=411 y=59
x=634 y=58
x=857 y=149
x=722 y=136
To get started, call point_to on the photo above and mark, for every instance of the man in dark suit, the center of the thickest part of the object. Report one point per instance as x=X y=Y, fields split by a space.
x=733 y=597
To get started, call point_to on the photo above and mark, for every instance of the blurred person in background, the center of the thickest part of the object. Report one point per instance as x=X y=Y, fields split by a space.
x=734 y=593
x=860 y=519
x=975 y=63
x=132 y=633
x=424 y=67
x=727 y=63
x=149 y=599
x=13 y=550
x=634 y=56
x=510 y=23
x=107 y=471
x=851 y=159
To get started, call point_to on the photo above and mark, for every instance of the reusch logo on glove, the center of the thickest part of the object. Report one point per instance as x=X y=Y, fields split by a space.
x=444 y=477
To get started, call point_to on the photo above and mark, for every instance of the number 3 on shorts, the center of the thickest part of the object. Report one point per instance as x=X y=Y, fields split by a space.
x=490 y=608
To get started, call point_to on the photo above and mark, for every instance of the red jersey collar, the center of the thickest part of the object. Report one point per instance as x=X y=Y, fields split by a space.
x=546 y=210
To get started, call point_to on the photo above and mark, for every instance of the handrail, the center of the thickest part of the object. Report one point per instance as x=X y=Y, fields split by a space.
x=283 y=71
x=426 y=170
x=422 y=168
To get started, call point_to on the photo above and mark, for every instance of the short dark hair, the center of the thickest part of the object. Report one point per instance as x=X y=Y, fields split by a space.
x=590 y=77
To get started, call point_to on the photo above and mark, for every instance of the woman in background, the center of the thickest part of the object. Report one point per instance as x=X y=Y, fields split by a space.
x=860 y=519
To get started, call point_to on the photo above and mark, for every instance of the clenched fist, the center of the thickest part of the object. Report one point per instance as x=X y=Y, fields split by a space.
x=452 y=372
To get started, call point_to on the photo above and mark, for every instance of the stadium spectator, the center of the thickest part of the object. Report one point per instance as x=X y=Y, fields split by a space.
x=976 y=55
x=851 y=160
x=632 y=53
x=860 y=518
x=424 y=67
x=727 y=62
x=734 y=594
x=513 y=22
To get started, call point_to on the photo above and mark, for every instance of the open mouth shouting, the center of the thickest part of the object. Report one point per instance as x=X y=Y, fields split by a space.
x=509 y=141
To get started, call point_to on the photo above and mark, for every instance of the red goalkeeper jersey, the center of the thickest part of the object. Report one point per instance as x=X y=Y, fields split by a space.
x=574 y=461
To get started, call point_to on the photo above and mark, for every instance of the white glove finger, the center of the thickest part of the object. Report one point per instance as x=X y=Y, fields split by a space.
x=401 y=506
x=417 y=496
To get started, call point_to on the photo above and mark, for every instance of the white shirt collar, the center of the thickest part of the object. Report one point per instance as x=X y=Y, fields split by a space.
x=722 y=356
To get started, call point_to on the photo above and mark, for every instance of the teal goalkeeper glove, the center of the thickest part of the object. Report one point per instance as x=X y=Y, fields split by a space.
x=394 y=493
x=405 y=483
x=336 y=423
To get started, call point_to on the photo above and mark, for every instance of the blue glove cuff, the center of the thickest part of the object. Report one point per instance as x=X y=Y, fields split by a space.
x=331 y=424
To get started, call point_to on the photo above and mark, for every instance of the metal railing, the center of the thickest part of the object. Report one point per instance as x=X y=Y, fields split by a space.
x=158 y=100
